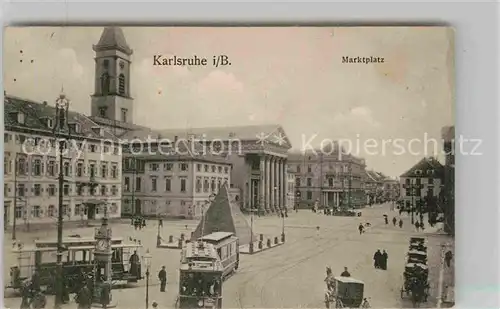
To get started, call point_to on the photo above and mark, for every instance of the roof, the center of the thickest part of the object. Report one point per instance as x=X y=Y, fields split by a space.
x=113 y=38
x=348 y=280
x=36 y=114
x=243 y=133
x=217 y=236
x=430 y=167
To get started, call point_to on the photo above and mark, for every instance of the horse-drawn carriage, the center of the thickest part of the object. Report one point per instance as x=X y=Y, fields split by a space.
x=345 y=292
x=416 y=272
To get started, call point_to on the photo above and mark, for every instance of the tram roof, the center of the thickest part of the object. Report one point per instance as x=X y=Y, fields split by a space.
x=217 y=236
x=34 y=248
x=74 y=240
x=348 y=280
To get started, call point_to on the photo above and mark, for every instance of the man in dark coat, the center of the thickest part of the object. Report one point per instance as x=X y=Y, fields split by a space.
x=35 y=281
x=400 y=223
x=162 y=275
x=383 y=260
x=361 y=228
x=447 y=258
x=134 y=264
x=345 y=273
x=377 y=257
x=394 y=221
x=84 y=298
x=417 y=225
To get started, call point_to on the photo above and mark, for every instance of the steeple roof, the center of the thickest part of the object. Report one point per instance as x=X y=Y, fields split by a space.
x=113 y=38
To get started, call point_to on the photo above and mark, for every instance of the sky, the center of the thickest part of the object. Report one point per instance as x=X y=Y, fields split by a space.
x=292 y=76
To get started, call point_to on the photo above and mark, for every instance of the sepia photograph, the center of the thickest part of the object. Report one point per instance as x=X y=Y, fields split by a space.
x=230 y=167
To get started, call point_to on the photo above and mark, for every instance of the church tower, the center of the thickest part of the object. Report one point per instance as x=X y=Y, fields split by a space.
x=111 y=98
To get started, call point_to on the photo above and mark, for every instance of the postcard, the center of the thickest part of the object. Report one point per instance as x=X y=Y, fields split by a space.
x=229 y=167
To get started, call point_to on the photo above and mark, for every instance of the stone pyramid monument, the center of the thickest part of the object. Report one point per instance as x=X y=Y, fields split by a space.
x=224 y=216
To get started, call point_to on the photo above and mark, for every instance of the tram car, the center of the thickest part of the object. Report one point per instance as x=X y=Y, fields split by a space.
x=78 y=261
x=200 y=277
x=227 y=246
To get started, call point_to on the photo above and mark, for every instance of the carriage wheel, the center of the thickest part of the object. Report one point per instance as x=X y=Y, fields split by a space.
x=338 y=303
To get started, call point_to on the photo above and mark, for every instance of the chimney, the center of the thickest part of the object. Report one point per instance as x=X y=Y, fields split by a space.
x=176 y=138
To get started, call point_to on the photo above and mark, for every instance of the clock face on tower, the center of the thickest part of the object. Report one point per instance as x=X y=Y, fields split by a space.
x=102 y=245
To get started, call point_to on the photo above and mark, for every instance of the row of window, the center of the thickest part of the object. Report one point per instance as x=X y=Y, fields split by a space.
x=51 y=190
x=37 y=211
x=155 y=167
x=52 y=143
x=208 y=185
x=418 y=181
x=337 y=169
x=38 y=167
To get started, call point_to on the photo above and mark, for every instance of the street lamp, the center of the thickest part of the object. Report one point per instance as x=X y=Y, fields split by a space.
x=282 y=218
x=147 y=262
x=61 y=131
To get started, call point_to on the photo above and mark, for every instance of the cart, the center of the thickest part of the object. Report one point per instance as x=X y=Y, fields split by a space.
x=415 y=283
x=344 y=292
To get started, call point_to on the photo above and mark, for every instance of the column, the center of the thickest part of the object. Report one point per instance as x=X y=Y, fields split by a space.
x=273 y=183
x=262 y=196
x=282 y=184
x=268 y=183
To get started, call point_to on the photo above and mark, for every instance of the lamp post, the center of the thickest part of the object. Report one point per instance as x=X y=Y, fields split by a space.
x=61 y=131
x=282 y=218
x=147 y=262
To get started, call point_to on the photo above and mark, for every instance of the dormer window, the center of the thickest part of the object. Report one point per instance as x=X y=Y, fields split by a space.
x=418 y=172
x=98 y=130
x=74 y=127
x=232 y=134
x=19 y=117
x=430 y=172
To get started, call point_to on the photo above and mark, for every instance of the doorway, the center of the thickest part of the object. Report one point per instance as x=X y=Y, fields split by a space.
x=90 y=211
x=137 y=209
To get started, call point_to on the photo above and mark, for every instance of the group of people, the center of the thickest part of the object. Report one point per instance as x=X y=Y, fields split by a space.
x=138 y=222
x=195 y=284
x=380 y=259
x=394 y=221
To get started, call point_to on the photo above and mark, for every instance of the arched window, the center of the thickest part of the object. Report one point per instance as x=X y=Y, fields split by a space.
x=121 y=84
x=105 y=84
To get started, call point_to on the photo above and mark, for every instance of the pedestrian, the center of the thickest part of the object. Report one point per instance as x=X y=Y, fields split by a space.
x=160 y=222
x=400 y=223
x=386 y=219
x=317 y=231
x=417 y=225
x=132 y=221
x=422 y=226
x=143 y=222
x=345 y=273
x=162 y=275
x=394 y=221
x=84 y=298
x=377 y=258
x=361 y=228
x=448 y=257
x=383 y=259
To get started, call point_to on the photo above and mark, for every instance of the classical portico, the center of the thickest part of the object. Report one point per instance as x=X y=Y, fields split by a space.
x=268 y=192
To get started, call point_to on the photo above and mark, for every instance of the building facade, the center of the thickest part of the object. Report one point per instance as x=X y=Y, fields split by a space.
x=424 y=179
x=31 y=166
x=448 y=196
x=171 y=186
x=391 y=189
x=258 y=164
x=329 y=179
